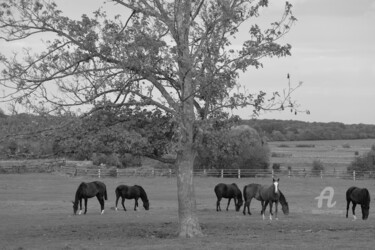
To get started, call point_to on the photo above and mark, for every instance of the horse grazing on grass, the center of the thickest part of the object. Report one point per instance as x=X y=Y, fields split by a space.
x=89 y=190
x=131 y=192
x=358 y=196
x=252 y=191
x=229 y=191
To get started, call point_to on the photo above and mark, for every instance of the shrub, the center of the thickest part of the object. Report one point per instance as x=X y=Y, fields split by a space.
x=276 y=167
x=365 y=162
x=317 y=167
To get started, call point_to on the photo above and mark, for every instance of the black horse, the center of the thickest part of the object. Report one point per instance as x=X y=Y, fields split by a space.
x=131 y=192
x=252 y=191
x=358 y=196
x=228 y=191
x=89 y=190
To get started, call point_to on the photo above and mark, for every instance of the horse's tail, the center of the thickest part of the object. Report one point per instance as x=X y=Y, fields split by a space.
x=105 y=193
x=244 y=193
x=143 y=193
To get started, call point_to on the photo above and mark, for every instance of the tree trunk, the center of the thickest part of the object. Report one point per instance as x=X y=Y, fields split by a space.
x=188 y=220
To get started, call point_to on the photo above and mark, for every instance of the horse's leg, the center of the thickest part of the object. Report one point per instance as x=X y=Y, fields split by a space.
x=246 y=205
x=101 y=202
x=264 y=205
x=353 y=208
x=123 y=203
x=135 y=204
x=229 y=203
x=218 y=208
x=276 y=208
x=80 y=206
x=347 y=207
x=117 y=197
x=85 y=206
x=271 y=202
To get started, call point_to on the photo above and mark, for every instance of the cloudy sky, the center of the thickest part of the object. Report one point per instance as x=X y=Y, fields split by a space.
x=333 y=55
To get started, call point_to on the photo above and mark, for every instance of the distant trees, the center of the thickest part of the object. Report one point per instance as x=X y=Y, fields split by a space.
x=365 y=162
x=278 y=130
x=237 y=147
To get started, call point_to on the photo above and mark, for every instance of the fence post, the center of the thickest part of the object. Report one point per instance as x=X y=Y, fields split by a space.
x=239 y=173
x=273 y=174
x=354 y=175
x=289 y=173
x=170 y=173
x=222 y=173
x=321 y=174
x=99 y=173
x=116 y=172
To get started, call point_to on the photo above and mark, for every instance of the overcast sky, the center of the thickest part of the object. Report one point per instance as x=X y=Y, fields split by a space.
x=333 y=54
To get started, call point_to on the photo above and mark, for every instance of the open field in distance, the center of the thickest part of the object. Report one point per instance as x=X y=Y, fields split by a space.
x=336 y=154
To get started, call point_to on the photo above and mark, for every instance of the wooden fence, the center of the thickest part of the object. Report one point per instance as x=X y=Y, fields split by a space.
x=58 y=165
x=219 y=173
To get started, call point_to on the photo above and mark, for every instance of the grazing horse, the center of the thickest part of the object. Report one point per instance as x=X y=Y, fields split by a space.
x=228 y=191
x=358 y=196
x=131 y=192
x=252 y=191
x=89 y=190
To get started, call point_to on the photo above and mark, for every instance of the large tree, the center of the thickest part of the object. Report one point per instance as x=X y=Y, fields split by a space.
x=175 y=55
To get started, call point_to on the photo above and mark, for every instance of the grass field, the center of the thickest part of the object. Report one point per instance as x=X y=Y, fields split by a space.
x=36 y=213
x=336 y=154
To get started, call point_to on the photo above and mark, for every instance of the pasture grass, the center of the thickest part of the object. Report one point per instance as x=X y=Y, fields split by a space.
x=36 y=213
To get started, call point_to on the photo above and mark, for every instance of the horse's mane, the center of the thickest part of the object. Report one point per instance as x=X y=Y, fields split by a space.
x=238 y=193
x=79 y=190
x=143 y=193
x=282 y=198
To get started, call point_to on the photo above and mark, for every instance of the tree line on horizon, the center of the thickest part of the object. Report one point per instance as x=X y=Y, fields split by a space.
x=293 y=130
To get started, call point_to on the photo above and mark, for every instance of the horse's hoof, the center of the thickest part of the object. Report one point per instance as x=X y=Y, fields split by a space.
x=102 y=212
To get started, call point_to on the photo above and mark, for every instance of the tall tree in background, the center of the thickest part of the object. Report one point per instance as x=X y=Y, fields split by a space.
x=173 y=55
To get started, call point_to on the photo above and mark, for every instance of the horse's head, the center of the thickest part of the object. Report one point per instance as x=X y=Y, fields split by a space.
x=285 y=208
x=365 y=211
x=239 y=204
x=146 y=205
x=276 y=185
x=75 y=207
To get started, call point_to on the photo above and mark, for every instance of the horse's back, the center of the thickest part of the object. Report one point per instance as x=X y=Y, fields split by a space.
x=251 y=191
x=220 y=189
x=358 y=195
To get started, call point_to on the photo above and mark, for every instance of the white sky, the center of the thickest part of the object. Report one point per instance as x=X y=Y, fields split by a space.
x=333 y=54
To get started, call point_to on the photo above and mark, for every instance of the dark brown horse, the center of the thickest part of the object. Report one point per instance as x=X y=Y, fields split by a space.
x=252 y=191
x=89 y=190
x=229 y=191
x=265 y=194
x=131 y=192
x=358 y=196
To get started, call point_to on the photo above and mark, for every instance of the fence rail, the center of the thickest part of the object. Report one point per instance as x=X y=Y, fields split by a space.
x=61 y=165
x=220 y=173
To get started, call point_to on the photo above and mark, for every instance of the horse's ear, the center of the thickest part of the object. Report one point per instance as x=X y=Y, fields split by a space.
x=278 y=179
